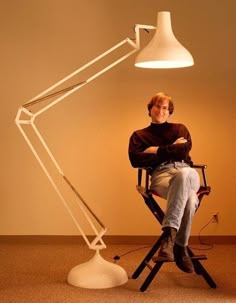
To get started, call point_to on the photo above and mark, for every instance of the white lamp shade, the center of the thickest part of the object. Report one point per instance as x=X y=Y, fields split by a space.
x=164 y=50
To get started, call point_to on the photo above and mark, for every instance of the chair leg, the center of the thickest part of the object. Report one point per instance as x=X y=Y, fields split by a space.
x=159 y=214
x=151 y=275
x=147 y=258
x=200 y=270
x=154 y=208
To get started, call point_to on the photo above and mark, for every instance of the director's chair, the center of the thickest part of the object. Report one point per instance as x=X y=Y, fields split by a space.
x=148 y=196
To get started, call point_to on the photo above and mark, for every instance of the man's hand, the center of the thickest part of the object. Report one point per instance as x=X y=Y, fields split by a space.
x=151 y=150
x=180 y=140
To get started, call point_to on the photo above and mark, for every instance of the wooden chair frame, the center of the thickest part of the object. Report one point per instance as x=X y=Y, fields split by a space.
x=159 y=215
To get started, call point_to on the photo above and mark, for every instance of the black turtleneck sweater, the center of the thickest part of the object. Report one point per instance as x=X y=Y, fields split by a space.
x=162 y=135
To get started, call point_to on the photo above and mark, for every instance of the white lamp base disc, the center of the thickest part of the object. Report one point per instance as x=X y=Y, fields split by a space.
x=97 y=273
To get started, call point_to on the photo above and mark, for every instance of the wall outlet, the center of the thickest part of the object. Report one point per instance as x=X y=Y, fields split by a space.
x=215 y=217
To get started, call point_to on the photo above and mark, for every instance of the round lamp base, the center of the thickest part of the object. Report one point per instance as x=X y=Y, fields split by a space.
x=97 y=273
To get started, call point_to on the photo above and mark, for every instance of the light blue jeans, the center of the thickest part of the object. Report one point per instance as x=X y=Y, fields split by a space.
x=178 y=183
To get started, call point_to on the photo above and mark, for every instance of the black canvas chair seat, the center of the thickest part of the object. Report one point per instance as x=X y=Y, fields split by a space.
x=148 y=196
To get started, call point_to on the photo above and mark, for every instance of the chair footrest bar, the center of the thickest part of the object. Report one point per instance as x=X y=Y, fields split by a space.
x=149 y=266
x=199 y=257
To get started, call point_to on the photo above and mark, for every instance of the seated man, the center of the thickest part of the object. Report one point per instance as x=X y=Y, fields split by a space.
x=165 y=148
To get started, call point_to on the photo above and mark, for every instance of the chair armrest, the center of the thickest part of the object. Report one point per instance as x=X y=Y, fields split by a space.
x=204 y=166
x=203 y=171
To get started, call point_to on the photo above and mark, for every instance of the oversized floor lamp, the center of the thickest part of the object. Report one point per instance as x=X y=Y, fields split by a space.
x=163 y=51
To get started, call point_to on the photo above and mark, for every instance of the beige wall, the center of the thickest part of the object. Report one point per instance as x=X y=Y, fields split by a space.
x=43 y=41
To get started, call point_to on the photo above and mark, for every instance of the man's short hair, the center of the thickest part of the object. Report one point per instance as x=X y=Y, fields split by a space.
x=161 y=97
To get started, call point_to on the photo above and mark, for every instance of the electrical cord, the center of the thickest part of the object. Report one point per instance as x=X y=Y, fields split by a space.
x=117 y=257
x=209 y=246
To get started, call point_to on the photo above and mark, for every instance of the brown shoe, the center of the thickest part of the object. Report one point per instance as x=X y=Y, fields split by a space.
x=165 y=252
x=182 y=258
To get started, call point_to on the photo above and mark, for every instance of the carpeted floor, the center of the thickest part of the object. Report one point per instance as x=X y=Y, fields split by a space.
x=38 y=273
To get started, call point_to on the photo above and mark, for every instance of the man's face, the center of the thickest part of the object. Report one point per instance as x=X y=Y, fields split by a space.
x=160 y=111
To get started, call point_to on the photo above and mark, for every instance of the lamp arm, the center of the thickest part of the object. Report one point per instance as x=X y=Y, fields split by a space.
x=97 y=242
x=133 y=43
x=42 y=96
x=137 y=28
